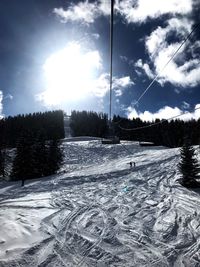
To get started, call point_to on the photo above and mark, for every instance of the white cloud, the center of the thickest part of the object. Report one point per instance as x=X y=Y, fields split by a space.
x=120 y=83
x=178 y=72
x=84 y=12
x=141 y=10
x=132 y=10
x=156 y=42
x=102 y=85
x=96 y=36
x=104 y=7
x=139 y=64
x=163 y=113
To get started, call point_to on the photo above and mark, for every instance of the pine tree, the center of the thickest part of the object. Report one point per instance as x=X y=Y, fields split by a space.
x=55 y=156
x=188 y=166
x=40 y=156
x=23 y=165
x=2 y=162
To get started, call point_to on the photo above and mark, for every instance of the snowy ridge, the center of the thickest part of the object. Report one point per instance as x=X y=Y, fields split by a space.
x=99 y=212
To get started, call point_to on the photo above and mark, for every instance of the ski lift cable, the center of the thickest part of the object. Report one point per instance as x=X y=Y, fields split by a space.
x=156 y=123
x=152 y=82
x=171 y=58
x=148 y=87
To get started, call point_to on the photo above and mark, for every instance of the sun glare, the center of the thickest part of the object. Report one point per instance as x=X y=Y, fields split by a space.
x=70 y=74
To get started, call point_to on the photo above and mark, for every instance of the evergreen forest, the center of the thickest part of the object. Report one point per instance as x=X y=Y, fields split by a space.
x=166 y=133
x=89 y=123
x=36 y=139
x=50 y=123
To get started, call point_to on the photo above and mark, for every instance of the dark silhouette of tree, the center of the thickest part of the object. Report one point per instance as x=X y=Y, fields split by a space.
x=23 y=164
x=35 y=157
x=50 y=122
x=188 y=166
x=166 y=133
x=55 y=156
x=40 y=156
x=88 y=123
x=2 y=162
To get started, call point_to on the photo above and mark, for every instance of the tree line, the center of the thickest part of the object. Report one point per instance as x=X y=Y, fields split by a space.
x=36 y=138
x=51 y=123
x=35 y=157
x=89 y=123
x=166 y=133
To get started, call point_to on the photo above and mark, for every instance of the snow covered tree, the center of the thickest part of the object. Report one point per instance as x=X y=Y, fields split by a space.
x=188 y=165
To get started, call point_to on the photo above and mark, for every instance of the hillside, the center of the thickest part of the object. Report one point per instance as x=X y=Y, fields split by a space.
x=99 y=212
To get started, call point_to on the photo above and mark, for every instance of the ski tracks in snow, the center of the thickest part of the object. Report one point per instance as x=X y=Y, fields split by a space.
x=105 y=214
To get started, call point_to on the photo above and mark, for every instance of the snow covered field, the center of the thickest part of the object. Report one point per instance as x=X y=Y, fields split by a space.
x=99 y=212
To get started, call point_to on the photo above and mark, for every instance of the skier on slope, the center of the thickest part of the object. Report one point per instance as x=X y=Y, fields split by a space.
x=132 y=164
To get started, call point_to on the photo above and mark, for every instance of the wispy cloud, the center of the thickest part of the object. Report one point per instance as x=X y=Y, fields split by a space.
x=145 y=67
x=179 y=72
x=8 y=96
x=163 y=113
x=96 y=36
x=160 y=45
x=185 y=105
x=119 y=84
x=139 y=11
x=102 y=85
x=133 y=11
x=84 y=12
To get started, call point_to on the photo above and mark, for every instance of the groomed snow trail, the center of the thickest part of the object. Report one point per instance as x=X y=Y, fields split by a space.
x=99 y=212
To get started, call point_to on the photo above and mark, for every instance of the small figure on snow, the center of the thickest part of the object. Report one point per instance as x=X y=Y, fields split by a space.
x=132 y=164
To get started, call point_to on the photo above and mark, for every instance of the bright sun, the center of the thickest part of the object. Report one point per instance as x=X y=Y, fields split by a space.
x=70 y=74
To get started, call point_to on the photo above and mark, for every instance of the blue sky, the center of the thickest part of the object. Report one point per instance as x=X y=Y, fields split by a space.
x=55 y=54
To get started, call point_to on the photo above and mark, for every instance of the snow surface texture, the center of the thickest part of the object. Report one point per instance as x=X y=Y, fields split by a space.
x=99 y=212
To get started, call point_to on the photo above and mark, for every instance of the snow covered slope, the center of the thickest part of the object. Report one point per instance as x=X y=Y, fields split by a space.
x=99 y=212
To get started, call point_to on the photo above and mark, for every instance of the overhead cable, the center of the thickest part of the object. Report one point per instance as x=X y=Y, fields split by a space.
x=156 y=123
x=172 y=57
